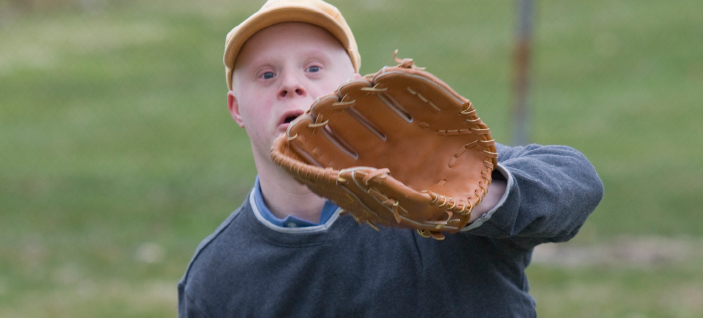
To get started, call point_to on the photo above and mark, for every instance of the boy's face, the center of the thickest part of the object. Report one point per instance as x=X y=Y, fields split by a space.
x=280 y=72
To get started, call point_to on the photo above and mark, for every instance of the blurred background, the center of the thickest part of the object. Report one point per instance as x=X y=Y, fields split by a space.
x=118 y=153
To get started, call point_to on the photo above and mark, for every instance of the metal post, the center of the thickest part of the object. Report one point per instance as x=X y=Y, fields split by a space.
x=521 y=111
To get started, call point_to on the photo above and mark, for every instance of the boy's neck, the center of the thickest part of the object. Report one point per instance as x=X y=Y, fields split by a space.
x=285 y=196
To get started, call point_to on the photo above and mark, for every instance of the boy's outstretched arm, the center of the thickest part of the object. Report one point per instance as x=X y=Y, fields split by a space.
x=550 y=191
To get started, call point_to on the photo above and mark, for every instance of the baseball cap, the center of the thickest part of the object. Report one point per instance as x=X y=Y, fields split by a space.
x=315 y=12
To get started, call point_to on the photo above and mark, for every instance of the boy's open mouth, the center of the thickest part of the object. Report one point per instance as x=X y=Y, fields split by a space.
x=290 y=116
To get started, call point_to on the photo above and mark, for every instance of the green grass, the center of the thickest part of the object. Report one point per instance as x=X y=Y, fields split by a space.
x=115 y=138
x=617 y=292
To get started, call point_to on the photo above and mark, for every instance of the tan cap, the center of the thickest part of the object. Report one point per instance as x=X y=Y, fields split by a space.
x=315 y=12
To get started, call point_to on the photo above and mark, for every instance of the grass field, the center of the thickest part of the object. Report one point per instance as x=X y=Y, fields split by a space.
x=119 y=155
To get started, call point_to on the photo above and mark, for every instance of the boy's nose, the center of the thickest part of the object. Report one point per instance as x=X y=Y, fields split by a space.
x=292 y=91
x=291 y=87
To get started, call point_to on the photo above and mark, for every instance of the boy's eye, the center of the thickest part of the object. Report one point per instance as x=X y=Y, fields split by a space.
x=314 y=69
x=268 y=75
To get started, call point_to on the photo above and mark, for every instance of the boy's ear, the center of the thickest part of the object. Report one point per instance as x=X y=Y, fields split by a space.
x=234 y=108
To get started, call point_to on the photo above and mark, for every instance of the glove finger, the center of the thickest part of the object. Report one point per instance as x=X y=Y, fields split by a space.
x=415 y=97
x=317 y=145
x=350 y=129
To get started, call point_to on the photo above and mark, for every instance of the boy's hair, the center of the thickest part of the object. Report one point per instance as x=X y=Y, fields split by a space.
x=315 y=12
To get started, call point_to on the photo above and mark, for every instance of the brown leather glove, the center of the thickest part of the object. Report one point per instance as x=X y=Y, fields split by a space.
x=398 y=148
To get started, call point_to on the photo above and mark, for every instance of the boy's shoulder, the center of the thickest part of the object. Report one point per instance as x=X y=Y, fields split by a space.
x=201 y=254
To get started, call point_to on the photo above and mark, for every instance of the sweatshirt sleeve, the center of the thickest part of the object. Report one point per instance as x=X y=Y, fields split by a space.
x=551 y=190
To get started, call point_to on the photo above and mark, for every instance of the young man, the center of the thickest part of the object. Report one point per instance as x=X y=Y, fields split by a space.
x=287 y=252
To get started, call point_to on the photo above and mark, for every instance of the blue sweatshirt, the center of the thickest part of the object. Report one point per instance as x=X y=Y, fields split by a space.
x=251 y=267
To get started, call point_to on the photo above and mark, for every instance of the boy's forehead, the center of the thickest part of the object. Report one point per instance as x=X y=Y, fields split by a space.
x=266 y=38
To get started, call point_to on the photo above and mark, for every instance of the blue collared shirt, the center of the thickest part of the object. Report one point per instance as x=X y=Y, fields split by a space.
x=289 y=221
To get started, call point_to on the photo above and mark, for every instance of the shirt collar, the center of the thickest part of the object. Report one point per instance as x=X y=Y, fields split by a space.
x=329 y=209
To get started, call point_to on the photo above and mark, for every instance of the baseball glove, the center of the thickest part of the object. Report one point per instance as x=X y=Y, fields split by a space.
x=398 y=148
